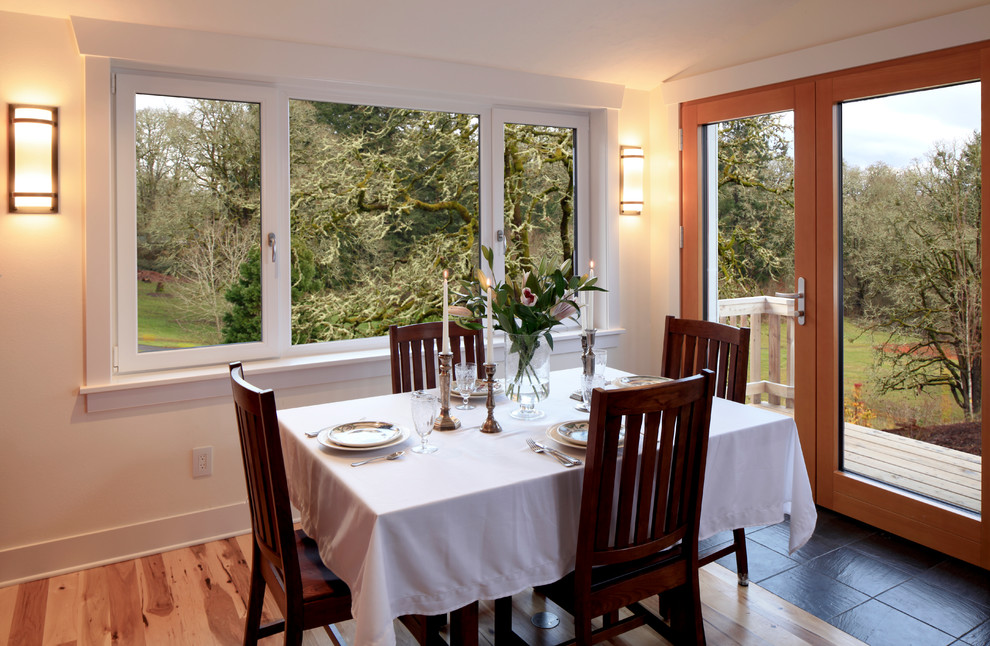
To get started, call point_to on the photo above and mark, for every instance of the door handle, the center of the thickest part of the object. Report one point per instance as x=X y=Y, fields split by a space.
x=799 y=298
x=272 y=243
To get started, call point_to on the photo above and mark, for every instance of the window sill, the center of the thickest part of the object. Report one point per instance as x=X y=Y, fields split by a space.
x=149 y=389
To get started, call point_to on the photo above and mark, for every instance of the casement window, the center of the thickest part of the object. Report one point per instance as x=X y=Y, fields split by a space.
x=257 y=222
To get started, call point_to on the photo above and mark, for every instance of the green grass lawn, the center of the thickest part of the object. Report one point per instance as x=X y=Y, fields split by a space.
x=935 y=406
x=932 y=407
x=163 y=324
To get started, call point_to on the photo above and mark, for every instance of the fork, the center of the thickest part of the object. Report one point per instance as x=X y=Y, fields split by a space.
x=565 y=460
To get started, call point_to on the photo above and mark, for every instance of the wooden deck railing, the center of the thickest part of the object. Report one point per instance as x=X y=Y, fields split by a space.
x=770 y=320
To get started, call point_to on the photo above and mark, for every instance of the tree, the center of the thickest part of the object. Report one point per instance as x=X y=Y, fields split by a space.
x=538 y=167
x=918 y=265
x=755 y=205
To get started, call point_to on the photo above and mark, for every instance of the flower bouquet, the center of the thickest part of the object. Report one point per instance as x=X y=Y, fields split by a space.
x=527 y=310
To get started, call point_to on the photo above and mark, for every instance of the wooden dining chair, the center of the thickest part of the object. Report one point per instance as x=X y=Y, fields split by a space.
x=640 y=509
x=414 y=351
x=690 y=345
x=282 y=558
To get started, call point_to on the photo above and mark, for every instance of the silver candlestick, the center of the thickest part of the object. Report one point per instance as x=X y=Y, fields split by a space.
x=490 y=425
x=588 y=351
x=445 y=422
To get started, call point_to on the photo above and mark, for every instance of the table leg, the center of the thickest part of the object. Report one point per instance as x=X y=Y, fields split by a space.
x=464 y=625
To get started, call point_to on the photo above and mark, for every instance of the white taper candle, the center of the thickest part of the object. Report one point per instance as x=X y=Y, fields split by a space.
x=490 y=356
x=446 y=316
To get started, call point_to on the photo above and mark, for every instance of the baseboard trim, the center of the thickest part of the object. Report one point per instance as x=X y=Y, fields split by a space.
x=51 y=558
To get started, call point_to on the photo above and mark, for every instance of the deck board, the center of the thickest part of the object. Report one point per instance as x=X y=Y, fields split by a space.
x=938 y=472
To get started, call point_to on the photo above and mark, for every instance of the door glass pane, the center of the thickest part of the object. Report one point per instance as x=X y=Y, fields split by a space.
x=912 y=307
x=539 y=196
x=198 y=180
x=749 y=197
x=382 y=201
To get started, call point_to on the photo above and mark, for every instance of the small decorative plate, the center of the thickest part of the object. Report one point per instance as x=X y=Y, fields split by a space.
x=640 y=380
x=573 y=433
x=363 y=435
x=481 y=389
x=573 y=427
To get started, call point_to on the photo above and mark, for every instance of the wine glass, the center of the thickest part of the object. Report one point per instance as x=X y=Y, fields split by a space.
x=425 y=407
x=465 y=375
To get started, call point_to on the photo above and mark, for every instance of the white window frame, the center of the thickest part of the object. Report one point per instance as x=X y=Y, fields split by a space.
x=580 y=124
x=128 y=85
x=340 y=75
x=276 y=296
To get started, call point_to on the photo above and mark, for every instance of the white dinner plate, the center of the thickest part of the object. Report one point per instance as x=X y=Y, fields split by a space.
x=640 y=380
x=361 y=435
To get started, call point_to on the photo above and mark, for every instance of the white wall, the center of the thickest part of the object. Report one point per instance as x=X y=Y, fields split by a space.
x=81 y=488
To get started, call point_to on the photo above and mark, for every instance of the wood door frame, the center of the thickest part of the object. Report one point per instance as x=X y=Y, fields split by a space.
x=815 y=102
x=694 y=116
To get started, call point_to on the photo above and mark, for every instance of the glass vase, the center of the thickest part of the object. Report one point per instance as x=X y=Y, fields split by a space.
x=527 y=373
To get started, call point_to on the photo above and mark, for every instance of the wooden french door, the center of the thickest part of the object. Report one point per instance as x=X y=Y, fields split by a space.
x=790 y=111
x=821 y=397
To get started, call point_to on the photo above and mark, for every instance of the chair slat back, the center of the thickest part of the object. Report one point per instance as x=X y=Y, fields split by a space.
x=415 y=350
x=648 y=498
x=691 y=345
x=268 y=495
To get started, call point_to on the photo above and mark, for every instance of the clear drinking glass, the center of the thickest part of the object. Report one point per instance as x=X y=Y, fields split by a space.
x=588 y=385
x=465 y=375
x=601 y=357
x=425 y=408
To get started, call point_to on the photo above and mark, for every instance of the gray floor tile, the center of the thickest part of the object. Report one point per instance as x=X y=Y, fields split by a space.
x=857 y=570
x=899 y=552
x=979 y=636
x=880 y=625
x=947 y=611
x=814 y=592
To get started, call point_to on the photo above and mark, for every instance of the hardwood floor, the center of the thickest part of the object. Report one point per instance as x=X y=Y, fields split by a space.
x=196 y=596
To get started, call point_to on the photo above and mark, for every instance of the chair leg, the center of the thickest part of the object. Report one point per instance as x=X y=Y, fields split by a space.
x=742 y=563
x=293 y=634
x=256 y=598
x=582 y=627
x=334 y=635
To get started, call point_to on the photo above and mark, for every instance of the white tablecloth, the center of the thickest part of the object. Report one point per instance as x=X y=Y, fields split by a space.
x=485 y=517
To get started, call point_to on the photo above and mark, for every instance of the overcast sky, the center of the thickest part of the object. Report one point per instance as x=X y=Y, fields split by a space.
x=901 y=128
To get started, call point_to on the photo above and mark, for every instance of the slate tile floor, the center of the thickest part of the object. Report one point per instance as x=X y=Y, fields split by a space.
x=875 y=586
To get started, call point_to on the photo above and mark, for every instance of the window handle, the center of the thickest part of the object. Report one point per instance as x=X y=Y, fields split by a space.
x=272 y=244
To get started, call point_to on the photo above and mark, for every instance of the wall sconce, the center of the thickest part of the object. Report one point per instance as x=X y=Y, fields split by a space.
x=32 y=162
x=630 y=180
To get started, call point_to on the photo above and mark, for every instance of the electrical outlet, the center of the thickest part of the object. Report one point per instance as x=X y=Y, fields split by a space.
x=202 y=461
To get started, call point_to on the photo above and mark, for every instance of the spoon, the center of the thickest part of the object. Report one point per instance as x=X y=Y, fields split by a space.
x=390 y=456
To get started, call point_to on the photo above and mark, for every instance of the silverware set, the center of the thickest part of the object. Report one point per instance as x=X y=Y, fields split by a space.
x=563 y=458
x=390 y=456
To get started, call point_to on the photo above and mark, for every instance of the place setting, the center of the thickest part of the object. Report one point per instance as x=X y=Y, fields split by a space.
x=362 y=436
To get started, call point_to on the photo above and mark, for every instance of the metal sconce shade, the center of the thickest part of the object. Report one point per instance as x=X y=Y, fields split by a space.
x=630 y=180
x=32 y=162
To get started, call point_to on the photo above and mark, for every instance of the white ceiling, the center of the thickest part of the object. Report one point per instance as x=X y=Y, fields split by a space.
x=636 y=43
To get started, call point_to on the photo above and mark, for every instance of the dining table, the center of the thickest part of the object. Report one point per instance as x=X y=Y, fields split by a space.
x=485 y=517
